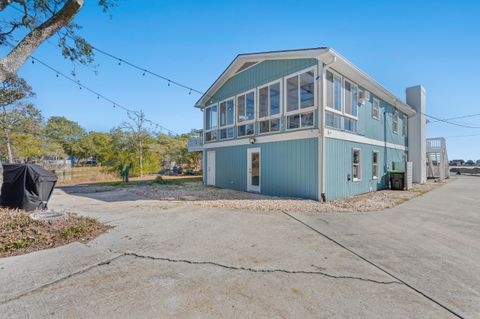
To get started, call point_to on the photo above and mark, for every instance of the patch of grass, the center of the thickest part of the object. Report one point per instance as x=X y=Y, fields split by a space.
x=175 y=181
x=19 y=234
x=82 y=227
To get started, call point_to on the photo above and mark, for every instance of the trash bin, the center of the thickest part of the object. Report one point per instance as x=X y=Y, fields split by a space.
x=397 y=181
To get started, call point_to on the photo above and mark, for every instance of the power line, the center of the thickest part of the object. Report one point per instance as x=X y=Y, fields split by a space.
x=460 y=136
x=457 y=117
x=452 y=123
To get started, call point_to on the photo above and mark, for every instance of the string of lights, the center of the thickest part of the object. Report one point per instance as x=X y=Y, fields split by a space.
x=101 y=96
x=144 y=71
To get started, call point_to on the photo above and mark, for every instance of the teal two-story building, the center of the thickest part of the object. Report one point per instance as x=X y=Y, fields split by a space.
x=302 y=123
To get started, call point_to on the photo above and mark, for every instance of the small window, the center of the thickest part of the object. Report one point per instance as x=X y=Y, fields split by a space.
x=245 y=130
x=395 y=122
x=246 y=107
x=269 y=100
x=302 y=120
x=376 y=109
x=375 y=170
x=349 y=124
x=210 y=136
x=226 y=133
x=301 y=91
x=272 y=125
x=333 y=120
x=404 y=125
x=356 y=171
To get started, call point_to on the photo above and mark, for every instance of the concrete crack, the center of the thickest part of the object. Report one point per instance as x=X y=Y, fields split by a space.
x=259 y=270
x=84 y=270
x=192 y=262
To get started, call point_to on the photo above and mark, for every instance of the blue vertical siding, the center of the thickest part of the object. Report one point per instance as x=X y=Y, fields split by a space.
x=260 y=74
x=381 y=129
x=288 y=168
x=338 y=165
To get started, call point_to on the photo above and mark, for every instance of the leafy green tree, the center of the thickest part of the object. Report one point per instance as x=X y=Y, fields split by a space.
x=40 y=19
x=97 y=145
x=66 y=133
x=15 y=115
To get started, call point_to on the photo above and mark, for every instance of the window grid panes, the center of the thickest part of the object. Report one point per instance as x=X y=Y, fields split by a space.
x=246 y=107
x=269 y=100
x=395 y=122
x=376 y=109
x=301 y=91
x=356 y=165
x=375 y=170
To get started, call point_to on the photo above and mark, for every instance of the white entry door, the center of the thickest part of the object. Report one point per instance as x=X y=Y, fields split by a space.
x=211 y=168
x=253 y=169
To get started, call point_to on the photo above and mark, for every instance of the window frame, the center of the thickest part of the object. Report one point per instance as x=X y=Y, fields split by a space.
x=405 y=125
x=205 y=131
x=254 y=91
x=268 y=117
x=219 y=126
x=315 y=93
x=344 y=94
x=300 y=127
x=359 y=164
x=395 y=117
x=378 y=108
x=376 y=171
x=332 y=108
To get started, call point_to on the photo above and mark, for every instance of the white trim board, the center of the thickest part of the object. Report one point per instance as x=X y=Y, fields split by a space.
x=276 y=137
x=339 y=135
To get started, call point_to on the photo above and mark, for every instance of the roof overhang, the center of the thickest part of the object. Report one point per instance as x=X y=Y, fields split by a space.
x=327 y=56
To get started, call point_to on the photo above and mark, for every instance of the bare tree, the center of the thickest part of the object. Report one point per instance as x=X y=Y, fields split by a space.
x=140 y=134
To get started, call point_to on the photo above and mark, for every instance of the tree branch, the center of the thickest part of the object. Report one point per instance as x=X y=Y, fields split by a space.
x=10 y=64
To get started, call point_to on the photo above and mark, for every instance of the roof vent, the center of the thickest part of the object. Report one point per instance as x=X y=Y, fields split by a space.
x=245 y=66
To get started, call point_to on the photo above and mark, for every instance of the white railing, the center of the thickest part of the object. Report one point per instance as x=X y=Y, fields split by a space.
x=195 y=144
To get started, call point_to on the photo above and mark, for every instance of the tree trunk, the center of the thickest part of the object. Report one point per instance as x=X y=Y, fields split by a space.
x=10 y=64
x=8 y=146
x=141 y=158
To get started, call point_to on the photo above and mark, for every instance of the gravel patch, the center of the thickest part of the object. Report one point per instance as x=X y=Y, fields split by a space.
x=205 y=196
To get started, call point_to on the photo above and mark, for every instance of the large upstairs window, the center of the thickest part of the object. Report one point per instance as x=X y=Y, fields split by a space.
x=351 y=99
x=226 y=119
x=211 y=118
x=342 y=102
x=300 y=100
x=246 y=114
x=269 y=107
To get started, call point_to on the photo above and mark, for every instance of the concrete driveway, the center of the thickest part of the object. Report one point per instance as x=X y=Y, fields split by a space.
x=162 y=259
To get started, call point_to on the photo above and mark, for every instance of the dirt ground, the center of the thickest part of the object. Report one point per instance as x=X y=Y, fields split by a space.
x=194 y=193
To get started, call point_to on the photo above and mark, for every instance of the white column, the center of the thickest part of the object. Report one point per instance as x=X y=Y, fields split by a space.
x=417 y=143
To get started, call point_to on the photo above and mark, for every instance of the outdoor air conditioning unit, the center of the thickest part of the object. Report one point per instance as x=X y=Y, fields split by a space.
x=362 y=97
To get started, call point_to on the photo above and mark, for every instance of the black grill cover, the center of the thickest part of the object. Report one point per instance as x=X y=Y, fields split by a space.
x=26 y=186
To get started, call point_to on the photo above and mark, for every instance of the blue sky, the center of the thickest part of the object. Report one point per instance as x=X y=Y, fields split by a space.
x=399 y=43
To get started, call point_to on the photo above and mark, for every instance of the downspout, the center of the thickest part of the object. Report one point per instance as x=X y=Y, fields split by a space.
x=321 y=125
